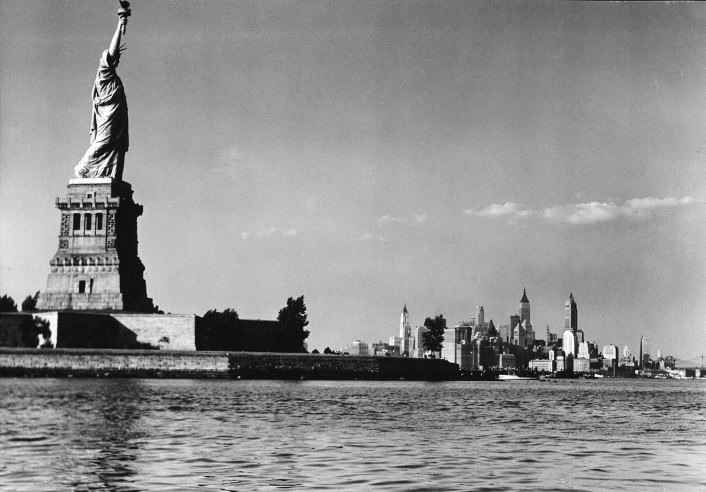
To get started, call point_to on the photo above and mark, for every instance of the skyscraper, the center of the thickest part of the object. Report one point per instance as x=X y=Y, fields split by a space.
x=405 y=327
x=522 y=332
x=645 y=350
x=405 y=341
x=571 y=314
x=524 y=307
x=569 y=343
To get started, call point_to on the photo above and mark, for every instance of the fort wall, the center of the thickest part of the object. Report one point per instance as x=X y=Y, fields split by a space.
x=245 y=365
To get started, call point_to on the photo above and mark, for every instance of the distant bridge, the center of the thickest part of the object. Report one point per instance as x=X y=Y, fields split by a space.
x=695 y=363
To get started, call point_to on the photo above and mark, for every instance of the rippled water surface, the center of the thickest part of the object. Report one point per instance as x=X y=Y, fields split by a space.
x=122 y=434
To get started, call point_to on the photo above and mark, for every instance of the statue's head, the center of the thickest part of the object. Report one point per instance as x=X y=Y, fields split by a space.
x=118 y=54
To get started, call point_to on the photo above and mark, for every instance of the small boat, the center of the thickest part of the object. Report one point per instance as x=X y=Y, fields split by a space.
x=515 y=377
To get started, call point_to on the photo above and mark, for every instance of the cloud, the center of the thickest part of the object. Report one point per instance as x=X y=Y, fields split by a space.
x=634 y=209
x=501 y=210
x=582 y=213
x=386 y=220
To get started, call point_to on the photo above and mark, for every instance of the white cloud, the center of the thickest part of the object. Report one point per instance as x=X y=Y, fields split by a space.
x=386 y=220
x=501 y=210
x=582 y=213
x=636 y=209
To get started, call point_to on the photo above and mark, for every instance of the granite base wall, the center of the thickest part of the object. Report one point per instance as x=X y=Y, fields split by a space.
x=245 y=365
x=165 y=331
x=109 y=330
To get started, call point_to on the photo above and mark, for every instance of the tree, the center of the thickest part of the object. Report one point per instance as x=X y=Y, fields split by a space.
x=292 y=320
x=328 y=350
x=218 y=330
x=30 y=303
x=315 y=351
x=7 y=304
x=40 y=327
x=434 y=336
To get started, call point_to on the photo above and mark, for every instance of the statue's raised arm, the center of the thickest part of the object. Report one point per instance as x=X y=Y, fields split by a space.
x=105 y=157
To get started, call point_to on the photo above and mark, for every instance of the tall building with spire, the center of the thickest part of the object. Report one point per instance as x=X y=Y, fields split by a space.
x=521 y=328
x=571 y=314
x=645 y=351
x=480 y=316
x=572 y=337
x=405 y=342
x=405 y=327
x=524 y=307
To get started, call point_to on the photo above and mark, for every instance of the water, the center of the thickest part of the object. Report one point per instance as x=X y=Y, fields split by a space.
x=123 y=434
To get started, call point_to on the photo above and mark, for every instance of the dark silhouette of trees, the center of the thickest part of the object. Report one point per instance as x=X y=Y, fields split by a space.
x=7 y=304
x=292 y=319
x=226 y=331
x=30 y=303
x=328 y=351
x=38 y=328
x=218 y=330
x=434 y=336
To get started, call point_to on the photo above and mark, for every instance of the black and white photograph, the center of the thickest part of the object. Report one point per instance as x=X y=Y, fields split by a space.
x=352 y=245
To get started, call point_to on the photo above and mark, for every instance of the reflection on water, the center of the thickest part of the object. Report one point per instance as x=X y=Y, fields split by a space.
x=119 y=434
x=79 y=434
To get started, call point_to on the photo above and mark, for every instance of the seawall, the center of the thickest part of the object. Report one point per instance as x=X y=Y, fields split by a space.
x=16 y=362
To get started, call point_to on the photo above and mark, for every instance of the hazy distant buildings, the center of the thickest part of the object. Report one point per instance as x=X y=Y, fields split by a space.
x=610 y=355
x=581 y=365
x=382 y=348
x=359 y=348
x=419 y=341
x=584 y=350
x=472 y=344
x=542 y=365
x=506 y=361
x=550 y=338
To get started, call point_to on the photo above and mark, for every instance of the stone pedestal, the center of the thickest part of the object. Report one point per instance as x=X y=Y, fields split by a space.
x=96 y=266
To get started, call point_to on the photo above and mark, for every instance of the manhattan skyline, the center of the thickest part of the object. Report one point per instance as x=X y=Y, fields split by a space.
x=367 y=155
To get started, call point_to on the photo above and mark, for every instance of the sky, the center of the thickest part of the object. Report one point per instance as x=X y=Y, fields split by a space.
x=373 y=154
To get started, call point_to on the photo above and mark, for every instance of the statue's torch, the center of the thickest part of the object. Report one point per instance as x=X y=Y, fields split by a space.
x=124 y=12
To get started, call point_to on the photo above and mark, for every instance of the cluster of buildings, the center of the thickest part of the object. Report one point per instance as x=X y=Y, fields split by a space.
x=407 y=344
x=477 y=344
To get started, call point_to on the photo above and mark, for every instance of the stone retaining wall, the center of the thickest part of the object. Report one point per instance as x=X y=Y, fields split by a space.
x=246 y=365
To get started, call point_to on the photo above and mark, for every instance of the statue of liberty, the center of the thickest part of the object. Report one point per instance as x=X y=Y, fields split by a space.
x=109 y=123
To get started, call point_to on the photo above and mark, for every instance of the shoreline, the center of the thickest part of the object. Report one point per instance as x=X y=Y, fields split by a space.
x=114 y=363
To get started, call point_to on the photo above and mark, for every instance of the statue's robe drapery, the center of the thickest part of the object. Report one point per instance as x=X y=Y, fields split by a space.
x=109 y=126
